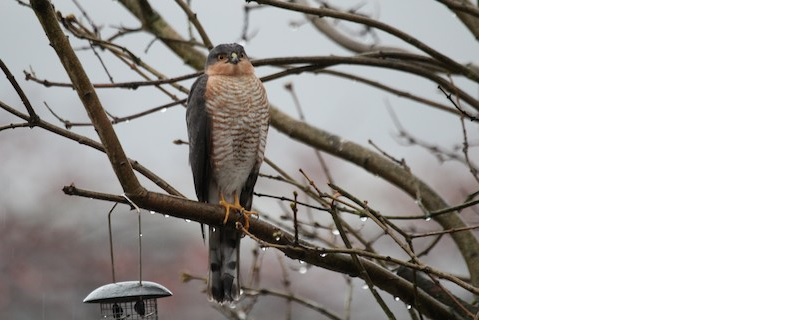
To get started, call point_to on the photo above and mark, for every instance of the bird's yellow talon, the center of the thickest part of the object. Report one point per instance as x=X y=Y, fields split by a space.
x=236 y=205
x=227 y=206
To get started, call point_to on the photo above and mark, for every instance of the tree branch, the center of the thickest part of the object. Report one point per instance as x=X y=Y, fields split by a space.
x=193 y=19
x=369 y=60
x=155 y=24
x=469 y=73
x=214 y=215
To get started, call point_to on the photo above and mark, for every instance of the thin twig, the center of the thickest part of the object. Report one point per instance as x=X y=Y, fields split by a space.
x=400 y=162
x=125 y=119
x=245 y=37
x=465 y=149
x=193 y=19
x=438 y=212
x=33 y=118
x=293 y=206
x=457 y=107
x=15 y=125
x=121 y=85
x=443 y=232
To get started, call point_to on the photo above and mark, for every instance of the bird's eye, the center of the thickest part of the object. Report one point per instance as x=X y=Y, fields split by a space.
x=243 y=55
x=220 y=57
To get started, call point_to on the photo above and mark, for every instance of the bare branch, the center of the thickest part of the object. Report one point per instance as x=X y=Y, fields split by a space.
x=400 y=93
x=122 y=85
x=33 y=118
x=443 y=232
x=369 y=61
x=269 y=235
x=471 y=74
x=155 y=24
x=465 y=149
x=454 y=104
x=438 y=212
x=124 y=119
x=13 y=126
x=193 y=19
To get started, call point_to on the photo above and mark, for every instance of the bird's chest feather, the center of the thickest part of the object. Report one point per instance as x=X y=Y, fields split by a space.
x=237 y=108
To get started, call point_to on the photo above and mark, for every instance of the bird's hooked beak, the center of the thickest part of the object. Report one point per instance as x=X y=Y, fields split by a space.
x=233 y=58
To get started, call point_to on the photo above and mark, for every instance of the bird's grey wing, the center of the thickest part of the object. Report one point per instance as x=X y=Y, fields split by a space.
x=248 y=191
x=199 y=129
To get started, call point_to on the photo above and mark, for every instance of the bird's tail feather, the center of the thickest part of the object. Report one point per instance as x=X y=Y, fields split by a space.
x=223 y=257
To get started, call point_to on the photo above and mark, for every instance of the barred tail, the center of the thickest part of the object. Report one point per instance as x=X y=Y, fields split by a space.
x=223 y=258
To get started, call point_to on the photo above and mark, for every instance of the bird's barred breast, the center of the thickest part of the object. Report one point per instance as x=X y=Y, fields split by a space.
x=239 y=116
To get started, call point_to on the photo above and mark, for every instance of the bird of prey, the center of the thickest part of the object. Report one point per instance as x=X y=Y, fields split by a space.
x=227 y=119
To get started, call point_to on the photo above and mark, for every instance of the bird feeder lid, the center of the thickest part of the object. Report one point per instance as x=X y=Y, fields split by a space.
x=127 y=291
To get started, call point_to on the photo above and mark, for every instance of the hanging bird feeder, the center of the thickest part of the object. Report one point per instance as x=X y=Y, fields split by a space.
x=128 y=300
x=134 y=300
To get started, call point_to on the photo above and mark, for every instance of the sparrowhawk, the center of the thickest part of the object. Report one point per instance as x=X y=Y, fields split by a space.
x=227 y=118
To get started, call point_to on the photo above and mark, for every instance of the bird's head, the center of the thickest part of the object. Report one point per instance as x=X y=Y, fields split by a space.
x=228 y=59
